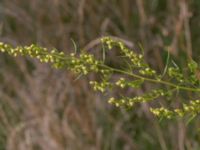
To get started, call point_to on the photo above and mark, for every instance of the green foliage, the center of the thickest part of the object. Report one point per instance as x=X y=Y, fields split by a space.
x=172 y=81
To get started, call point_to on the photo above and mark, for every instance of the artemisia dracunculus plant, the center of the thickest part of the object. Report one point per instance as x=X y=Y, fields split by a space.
x=139 y=73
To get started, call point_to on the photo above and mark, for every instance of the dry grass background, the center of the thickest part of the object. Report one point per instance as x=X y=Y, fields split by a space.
x=45 y=109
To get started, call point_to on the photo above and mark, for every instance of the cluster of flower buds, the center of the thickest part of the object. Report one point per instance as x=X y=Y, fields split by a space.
x=100 y=86
x=83 y=64
x=129 y=102
x=133 y=84
x=193 y=108
x=175 y=72
x=136 y=59
x=147 y=71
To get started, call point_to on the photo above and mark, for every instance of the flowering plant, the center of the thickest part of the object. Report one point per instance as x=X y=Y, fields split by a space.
x=139 y=72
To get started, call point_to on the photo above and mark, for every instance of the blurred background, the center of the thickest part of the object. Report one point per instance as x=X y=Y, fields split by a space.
x=46 y=109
